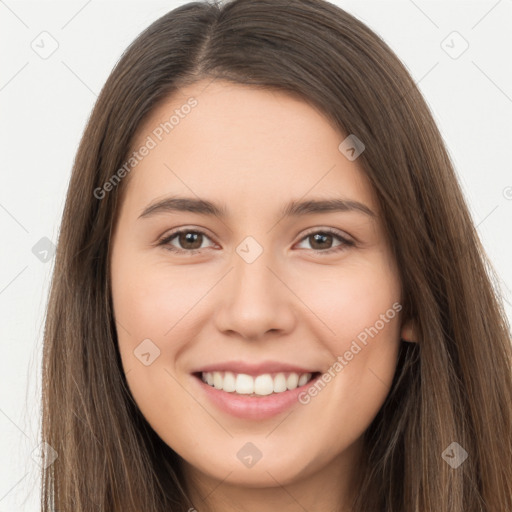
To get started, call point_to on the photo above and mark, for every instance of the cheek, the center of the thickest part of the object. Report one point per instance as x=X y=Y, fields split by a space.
x=150 y=301
x=148 y=306
x=359 y=311
x=351 y=300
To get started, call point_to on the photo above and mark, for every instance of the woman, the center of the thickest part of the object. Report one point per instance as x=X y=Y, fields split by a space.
x=262 y=368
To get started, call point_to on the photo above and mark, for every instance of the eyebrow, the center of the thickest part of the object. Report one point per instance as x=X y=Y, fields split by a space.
x=293 y=209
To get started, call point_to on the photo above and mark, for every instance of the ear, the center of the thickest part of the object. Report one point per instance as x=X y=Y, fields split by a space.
x=407 y=333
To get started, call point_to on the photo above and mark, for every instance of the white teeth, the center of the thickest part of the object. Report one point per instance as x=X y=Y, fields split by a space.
x=229 y=383
x=262 y=385
x=217 y=380
x=280 y=383
x=303 y=379
x=292 y=381
x=244 y=384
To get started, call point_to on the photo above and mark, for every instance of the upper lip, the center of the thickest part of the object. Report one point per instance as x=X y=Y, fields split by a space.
x=253 y=368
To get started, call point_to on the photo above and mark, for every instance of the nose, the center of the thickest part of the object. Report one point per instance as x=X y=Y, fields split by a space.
x=255 y=300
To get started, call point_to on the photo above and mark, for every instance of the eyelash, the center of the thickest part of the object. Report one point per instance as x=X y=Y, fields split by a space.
x=328 y=231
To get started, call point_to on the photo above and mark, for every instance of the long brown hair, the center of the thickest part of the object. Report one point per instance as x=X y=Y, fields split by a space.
x=453 y=386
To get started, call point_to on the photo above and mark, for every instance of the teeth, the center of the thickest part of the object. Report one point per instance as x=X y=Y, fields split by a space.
x=264 y=384
x=280 y=383
x=229 y=382
x=303 y=379
x=244 y=384
x=292 y=381
x=217 y=380
x=261 y=385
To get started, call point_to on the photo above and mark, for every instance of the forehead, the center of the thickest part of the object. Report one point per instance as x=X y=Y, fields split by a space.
x=244 y=146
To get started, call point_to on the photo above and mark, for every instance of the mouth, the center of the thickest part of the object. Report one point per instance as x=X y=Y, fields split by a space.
x=253 y=397
x=261 y=385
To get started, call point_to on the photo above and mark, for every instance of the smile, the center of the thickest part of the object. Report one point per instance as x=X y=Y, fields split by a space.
x=252 y=397
x=259 y=385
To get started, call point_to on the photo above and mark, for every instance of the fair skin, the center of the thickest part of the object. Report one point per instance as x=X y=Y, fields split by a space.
x=253 y=151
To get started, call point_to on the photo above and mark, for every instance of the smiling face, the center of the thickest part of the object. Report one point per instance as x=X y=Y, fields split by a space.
x=270 y=289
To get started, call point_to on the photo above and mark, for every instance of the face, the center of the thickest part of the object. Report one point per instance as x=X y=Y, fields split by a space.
x=290 y=312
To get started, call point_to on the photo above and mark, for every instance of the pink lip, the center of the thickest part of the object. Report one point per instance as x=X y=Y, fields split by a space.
x=253 y=368
x=252 y=407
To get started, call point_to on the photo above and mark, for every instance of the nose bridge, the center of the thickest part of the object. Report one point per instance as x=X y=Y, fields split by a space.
x=253 y=282
x=255 y=300
x=253 y=277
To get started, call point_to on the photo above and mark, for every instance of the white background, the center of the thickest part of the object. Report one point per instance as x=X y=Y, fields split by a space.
x=46 y=102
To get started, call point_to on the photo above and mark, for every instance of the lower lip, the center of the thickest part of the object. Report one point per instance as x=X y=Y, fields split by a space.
x=253 y=407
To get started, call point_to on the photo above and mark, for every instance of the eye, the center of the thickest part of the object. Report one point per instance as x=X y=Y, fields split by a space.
x=191 y=241
x=321 y=241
